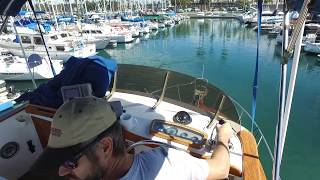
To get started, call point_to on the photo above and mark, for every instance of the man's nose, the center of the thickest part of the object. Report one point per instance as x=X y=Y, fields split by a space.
x=63 y=171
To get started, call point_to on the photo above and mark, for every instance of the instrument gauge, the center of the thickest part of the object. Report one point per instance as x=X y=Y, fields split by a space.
x=172 y=131
x=195 y=139
x=184 y=135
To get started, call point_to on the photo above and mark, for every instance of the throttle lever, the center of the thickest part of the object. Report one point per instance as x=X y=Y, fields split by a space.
x=221 y=121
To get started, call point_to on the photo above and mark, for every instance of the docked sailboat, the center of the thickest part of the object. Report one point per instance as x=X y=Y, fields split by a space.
x=309 y=35
x=267 y=17
x=107 y=31
x=87 y=37
x=58 y=48
x=16 y=68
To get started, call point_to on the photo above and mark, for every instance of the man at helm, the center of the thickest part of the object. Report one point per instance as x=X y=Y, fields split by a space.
x=86 y=143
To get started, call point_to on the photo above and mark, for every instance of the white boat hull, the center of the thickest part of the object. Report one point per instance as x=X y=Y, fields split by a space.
x=125 y=38
x=15 y=49
x=312 y=48
x=19 y=71
x=100 y=43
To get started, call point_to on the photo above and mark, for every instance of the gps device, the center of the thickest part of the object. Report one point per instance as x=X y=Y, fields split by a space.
x=75 y=91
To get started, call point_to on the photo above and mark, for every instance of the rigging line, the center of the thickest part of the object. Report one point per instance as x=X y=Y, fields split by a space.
x=8 y=7
x=277 y=4
x=4 y=23
x=41 y=34
x=202 y=74
x=298 y=27
x=179 y=93
x=173 y=86
x=255 y=80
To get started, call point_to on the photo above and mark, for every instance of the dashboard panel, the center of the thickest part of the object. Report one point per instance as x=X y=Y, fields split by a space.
x=178 y=133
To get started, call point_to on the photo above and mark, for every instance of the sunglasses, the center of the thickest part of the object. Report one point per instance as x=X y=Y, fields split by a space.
x=72 y=163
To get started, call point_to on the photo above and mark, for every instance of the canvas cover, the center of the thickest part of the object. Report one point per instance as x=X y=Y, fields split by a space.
x=96 y=70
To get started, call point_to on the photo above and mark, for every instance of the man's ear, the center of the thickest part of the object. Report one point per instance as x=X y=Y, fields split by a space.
x=107 y=145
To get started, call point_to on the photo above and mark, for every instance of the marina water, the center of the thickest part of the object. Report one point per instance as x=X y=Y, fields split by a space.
x=224 y=52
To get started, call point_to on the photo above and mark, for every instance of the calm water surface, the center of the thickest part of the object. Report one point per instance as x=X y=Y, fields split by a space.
x=223 y=51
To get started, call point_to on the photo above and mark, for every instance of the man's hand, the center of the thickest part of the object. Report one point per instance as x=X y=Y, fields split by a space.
x=224 y=133
x=219 y=164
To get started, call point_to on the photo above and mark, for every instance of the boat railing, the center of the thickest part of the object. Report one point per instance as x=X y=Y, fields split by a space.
x=246 y=120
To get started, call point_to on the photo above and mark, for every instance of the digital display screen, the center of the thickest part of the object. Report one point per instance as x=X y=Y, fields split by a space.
x=71 y=93
x=77 y=90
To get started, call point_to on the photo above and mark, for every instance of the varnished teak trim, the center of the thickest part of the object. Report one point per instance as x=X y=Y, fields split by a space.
x=40 y=110
x=43 y=130
x=251 y=165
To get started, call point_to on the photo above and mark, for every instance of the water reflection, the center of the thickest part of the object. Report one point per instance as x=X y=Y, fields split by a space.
x=200 y=51
x=310 y=63
x=199 y=42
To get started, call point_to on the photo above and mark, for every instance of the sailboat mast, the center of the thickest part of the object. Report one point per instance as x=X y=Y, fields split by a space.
x=110 y=5
x=54 y=14
x=63 y=7
x=39 y=4
x=70 y=4
x=277 y=4
x=104 y=6
x=152 y=6
x=85 y=7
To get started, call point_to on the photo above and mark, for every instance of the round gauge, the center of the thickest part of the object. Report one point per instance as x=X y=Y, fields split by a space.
x=172 y=131
x=9 y=150
x=158 y=127
x=184 y=135
x=195 y=139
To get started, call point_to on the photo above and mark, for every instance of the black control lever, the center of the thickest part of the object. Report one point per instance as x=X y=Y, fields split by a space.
x=221 y=121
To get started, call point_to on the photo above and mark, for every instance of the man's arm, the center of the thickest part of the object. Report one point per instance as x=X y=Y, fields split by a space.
x=219 y=164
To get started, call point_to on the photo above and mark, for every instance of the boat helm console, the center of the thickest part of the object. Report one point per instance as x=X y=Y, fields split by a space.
x=178 y=133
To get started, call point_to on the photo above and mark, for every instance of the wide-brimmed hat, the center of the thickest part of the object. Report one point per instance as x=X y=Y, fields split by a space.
x=77 y=121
